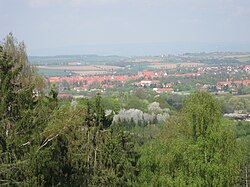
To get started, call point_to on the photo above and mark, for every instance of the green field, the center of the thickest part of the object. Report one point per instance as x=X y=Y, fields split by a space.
x=53 y=72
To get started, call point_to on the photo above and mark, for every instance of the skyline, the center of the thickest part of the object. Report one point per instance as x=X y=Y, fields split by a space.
x=126 y=27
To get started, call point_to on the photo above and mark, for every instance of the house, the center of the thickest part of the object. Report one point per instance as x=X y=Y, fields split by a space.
x=163 y=90
x=247 y=68
x=148 y=73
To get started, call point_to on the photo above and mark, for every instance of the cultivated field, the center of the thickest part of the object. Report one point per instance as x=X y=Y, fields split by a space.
x=191 y=64
x=171 y=66
x=150 y=60
x=163 y=66
x=91 y=72
x=81 y=68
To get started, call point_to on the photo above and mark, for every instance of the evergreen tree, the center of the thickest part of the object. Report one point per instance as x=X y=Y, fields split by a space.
x=16 y=103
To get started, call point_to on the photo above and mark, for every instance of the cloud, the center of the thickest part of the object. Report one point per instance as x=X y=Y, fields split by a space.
x=240 y=6
x=44 y=3
x=83 y=2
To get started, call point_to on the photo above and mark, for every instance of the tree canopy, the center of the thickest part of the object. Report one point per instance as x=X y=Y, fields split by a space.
x=194 y=149
x=46 y=142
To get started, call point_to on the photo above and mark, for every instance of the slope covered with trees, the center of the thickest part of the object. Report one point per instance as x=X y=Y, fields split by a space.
x=47 y=142
x=194 y=149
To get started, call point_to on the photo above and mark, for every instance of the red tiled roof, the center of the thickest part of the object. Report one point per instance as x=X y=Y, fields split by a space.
x=225 y=83
x=162 y=90
x=148 y=73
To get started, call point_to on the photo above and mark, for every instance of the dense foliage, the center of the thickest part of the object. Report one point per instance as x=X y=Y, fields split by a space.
x=193 y=150
x=48 y=142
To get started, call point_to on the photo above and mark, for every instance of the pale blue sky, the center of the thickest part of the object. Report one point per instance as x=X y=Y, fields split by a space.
x=124 y=26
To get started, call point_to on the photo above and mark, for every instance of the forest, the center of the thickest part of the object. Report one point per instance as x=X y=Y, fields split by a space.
x=47 y=141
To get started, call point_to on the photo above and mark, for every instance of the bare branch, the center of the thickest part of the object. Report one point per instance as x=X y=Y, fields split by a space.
x=47 y=141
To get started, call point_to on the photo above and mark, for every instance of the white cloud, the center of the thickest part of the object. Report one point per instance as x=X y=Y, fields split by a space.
x=42 y=3
x=82 y=2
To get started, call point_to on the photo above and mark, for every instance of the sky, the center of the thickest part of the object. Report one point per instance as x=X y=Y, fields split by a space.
x=127 y=27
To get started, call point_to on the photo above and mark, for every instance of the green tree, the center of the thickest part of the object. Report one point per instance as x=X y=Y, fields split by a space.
x=45 y=143
x=194 y=149
x=17 y=102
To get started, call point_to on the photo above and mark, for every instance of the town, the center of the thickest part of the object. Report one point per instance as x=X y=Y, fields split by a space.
x=218 y=73
x=128 y=93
